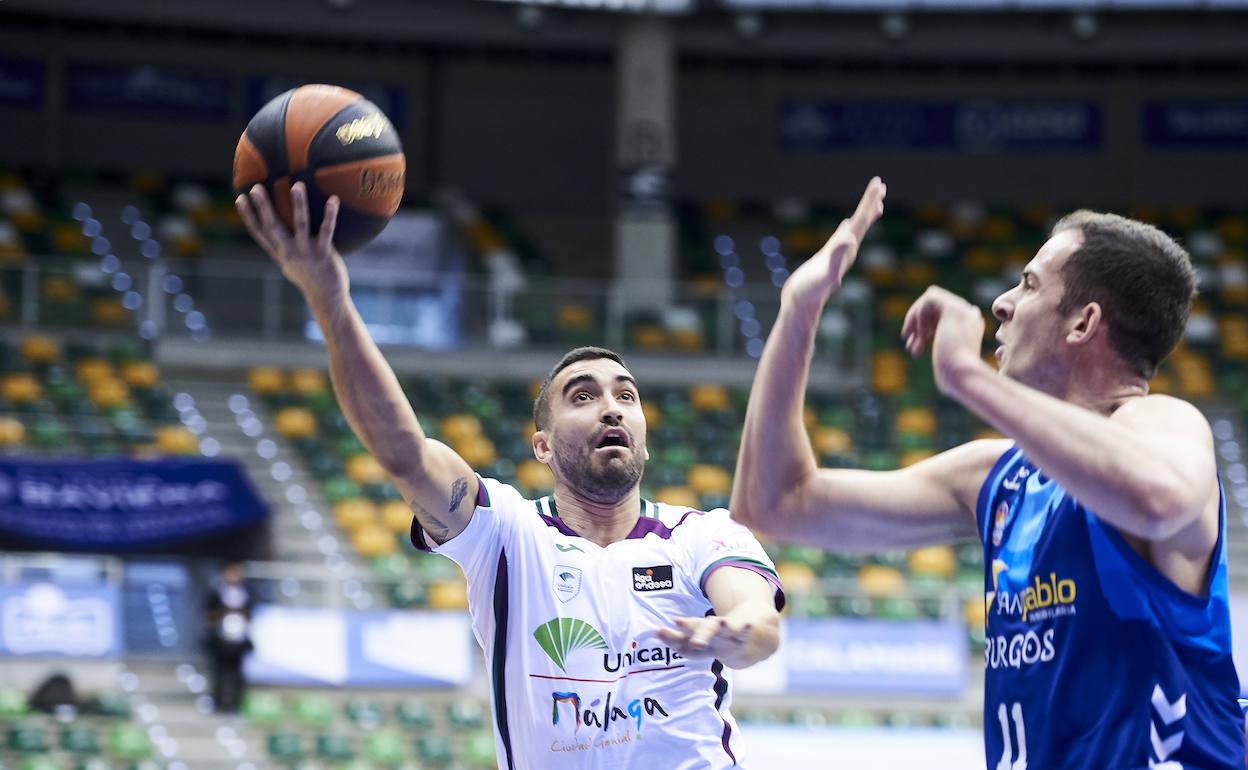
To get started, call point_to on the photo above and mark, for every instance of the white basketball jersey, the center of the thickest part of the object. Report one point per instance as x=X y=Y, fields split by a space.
x=579 y=677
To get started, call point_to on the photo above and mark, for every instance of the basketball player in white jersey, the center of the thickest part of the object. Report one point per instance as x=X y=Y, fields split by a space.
x=607 y=620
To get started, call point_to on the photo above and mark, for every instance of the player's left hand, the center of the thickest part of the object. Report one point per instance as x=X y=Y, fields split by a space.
x=952 y=327
x=708 y=637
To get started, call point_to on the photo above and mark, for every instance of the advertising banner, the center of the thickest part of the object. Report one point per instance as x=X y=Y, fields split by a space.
x=955 y=126
x=1195 y=124
x=46 y=620
x=21 y=83
x=145 y=92
x=122 y=505
x=317 y=647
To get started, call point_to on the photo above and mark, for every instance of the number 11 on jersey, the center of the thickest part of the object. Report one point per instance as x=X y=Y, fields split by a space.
x=1003 y=715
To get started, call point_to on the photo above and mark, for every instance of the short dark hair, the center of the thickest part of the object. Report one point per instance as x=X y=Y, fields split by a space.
x=1142 y=278
x=541 y=404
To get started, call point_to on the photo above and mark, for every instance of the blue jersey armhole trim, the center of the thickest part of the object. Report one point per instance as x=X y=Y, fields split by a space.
x=1154 y=576
x=991 y=481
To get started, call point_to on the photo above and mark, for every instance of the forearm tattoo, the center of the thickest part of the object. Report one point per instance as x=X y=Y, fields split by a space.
x=437 y=529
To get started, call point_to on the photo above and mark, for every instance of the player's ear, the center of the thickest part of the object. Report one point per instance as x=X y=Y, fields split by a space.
x=541 y=446
x=1085 y=324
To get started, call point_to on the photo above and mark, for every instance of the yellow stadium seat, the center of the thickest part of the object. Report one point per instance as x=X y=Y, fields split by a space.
x=688 y=340
x=987 y=434
x=448 y=595
x=895 y=306
x=148 y=182
x=889 y=374
x=974 y=613
x=68 y=239
x=649 y=337
x=308 y=382
x=682 y=497
x=810 y=418
x=108 y=392
x=654 y=415
x=459 y=427
x=396 y=516
x=141 y=375
x=364 y=469
x=535 y=475
x=1233 y=229
x=832 y=441
x=797 y=577
x=12 y=432
x=720 y=209
x=1037 y=215
x=355 y=514
x=60 y=289
x=108 y=311
x=980 y=260
x=295 y=422
x=933 y=561
x=374 y=540
x=999 y=229
x=710 y=398
x=801 y=240
x=21 y=389
x=477 y=451
x=917 y=420
x=266 y=381
x=918 y=275
x=176 y=440
x=881 y=581
x=709 y=480
x=91 y=370
x=573 y=317
x=912 y=456
x=931 y=214
x=38 y=349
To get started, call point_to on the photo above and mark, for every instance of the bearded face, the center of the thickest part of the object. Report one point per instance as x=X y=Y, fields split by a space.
x=595 y=442
x=601 y=469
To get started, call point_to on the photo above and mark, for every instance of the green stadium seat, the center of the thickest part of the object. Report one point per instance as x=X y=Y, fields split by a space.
x=334 y=747
x=27 y=739
x=80 y=740
x=413 y=712
x=466 y=714
x=38 y=762
x=285 y=746
x=434 y=749
x=129 y=741
x=478 y=749
x=314 y=710
x=262 y=708
x=12 y=704
x=364 y=713
x=385 y=748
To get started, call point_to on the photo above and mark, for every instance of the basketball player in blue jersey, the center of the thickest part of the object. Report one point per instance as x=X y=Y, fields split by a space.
x=607 y=620
x=1102 y=517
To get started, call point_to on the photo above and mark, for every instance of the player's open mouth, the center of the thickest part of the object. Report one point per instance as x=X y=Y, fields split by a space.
x=613 y=437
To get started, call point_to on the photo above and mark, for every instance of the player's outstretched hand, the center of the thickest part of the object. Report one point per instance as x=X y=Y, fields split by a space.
x=708 y=637
x=952 y=327
x=811 y=284
x=311 y=264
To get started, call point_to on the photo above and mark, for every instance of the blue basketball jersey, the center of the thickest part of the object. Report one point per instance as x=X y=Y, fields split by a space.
x=1093 y=659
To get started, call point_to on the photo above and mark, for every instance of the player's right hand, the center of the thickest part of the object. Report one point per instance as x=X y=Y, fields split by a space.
x=811 y=284
x=312 y=265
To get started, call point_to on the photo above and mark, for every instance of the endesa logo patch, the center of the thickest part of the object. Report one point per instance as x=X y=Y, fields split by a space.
x=653 y=578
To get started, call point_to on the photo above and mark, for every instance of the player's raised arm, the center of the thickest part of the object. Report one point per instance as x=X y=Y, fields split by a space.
x=436 y=482
x=779 y=489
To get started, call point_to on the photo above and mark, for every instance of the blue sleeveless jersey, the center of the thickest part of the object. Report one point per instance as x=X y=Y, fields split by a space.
x=1093 y=659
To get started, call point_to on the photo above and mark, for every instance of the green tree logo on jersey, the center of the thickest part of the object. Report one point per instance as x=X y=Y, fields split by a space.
x=560 y=636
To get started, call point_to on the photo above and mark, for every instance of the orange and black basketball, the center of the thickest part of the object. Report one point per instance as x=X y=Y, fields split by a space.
x=337 y=143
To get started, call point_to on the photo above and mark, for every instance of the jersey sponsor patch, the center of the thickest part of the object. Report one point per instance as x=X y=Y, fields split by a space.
x=657 y=578
x=567 y=581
